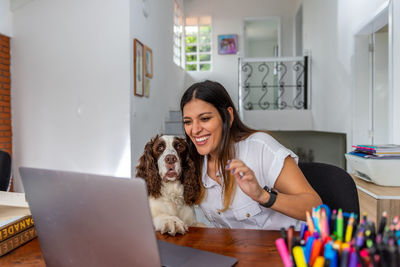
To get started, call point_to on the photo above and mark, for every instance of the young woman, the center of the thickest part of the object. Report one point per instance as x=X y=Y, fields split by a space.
x=249 y=179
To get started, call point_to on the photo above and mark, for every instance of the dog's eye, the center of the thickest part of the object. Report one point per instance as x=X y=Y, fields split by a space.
x=179 y=146
x=160 y=148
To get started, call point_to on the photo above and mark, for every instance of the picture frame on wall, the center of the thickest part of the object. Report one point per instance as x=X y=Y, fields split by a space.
x=146 y=92
x=148 y=62
x=227 y=44
x=138 y=67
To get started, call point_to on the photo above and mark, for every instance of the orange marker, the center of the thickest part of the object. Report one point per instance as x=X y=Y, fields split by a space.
x=310 y=223
x=316 y=250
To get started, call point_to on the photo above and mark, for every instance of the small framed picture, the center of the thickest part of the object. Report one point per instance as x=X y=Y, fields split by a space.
x=146 y=87
x=227 y=44
x=138 y=67
x=148 y=62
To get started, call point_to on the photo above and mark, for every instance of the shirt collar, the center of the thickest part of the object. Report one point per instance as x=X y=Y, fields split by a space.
x=208 y=182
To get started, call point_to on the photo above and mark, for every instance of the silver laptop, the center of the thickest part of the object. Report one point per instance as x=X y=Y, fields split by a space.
x=94 y=220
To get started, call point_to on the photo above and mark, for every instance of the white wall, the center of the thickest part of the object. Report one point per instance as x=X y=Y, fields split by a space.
x=332 y=48
x=155 y=31
x=227 y=18
x=72 y=90
x=70 y=70
x=396 y=70
x=5 y=18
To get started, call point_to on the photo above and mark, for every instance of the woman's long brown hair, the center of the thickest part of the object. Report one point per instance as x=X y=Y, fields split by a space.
x=215 y=94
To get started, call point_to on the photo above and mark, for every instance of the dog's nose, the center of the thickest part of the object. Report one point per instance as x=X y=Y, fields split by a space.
x=170 y=159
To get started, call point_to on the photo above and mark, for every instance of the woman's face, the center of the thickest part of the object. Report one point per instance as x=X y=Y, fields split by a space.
x=203 y=125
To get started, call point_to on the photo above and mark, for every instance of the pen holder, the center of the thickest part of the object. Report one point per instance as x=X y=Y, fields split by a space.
x=337 y=239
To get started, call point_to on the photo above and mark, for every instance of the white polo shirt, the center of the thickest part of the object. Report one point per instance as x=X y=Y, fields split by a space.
x=265 y=156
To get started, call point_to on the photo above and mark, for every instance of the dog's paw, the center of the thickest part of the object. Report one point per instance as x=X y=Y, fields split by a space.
x=171 y=225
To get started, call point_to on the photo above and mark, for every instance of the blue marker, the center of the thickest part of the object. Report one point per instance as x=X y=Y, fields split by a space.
x=303 y=229
x=308 y=248
x=331 y=255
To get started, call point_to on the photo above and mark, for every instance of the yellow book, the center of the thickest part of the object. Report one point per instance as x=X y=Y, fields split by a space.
x=15 y=225
x=17 y=240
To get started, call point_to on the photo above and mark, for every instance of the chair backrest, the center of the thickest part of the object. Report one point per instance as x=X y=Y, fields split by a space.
x=333 y=184
x=5 y=170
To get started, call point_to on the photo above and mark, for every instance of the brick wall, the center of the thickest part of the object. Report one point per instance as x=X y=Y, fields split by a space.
x=5 y=101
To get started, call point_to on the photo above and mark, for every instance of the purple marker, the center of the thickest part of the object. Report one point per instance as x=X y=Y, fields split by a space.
x=360 y=239
x=303 y=229
x=353 y=259
x=316 y=235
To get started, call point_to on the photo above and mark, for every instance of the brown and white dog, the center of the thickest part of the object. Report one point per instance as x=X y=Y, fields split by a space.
x=172 y=185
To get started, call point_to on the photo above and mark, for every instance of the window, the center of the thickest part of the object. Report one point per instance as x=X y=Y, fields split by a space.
x=198 y=43
x=178 y=31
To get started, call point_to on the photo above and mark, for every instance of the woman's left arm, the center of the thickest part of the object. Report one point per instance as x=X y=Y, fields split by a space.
x=295 y=194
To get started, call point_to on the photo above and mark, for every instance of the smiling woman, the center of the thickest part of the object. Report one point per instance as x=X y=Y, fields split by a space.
x=249 y=180
x=205 y=128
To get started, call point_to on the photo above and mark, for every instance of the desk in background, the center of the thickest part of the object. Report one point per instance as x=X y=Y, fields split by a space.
x=375 y=199
x=250 y=247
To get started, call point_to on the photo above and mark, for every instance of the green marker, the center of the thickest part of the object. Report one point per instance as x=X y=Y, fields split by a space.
x=339 y=225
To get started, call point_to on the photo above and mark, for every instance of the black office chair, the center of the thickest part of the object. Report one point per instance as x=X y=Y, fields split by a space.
x=333 y=184
x=5 y=170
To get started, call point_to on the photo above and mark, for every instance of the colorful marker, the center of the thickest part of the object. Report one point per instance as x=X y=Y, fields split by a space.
x=289 y=236
x=339 y=225
x=315 y=251
x=382 y=223
x=308 y=248
x=349 y=228
x=319 y=262
x=299 y=257
x=283 y=251
x=303 y=229
x=332 y=225
x=310 y=223
x=344 y=258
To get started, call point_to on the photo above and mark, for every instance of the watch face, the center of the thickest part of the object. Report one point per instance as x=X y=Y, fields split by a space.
x=270 y=190
x=266 y=188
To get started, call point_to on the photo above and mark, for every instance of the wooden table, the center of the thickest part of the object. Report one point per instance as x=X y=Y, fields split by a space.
x=250 y=247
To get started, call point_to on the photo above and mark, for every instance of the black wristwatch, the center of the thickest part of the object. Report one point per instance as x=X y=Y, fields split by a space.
x=272 y=197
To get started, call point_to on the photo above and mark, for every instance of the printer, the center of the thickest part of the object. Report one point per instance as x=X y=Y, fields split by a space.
x=381 y=171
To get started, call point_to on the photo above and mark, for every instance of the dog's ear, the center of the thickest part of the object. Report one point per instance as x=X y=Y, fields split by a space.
x=190 y=180
x=147 y=169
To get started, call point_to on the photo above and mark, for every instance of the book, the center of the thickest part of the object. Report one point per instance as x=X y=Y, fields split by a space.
x=373 y=156
x=13 y=199
x=17 y=240
x=15 y=225
x=386 y=148
x=13 y=205
x=378 y=151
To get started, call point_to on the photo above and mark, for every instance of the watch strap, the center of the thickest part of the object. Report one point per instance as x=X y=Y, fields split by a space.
x=272 y=197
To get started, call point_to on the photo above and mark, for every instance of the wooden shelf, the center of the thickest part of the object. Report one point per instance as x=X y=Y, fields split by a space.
x=375 y=199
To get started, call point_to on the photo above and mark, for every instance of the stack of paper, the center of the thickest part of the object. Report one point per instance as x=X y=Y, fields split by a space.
x=16 y=223
x=377 y=151
x=12 y=205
